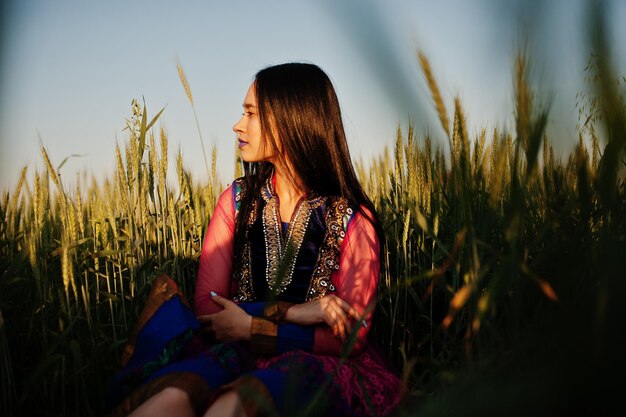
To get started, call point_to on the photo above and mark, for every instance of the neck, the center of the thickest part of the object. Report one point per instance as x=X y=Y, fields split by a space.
x=286 y=188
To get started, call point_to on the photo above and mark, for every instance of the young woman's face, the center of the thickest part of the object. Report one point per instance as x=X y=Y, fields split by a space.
x=248 y=129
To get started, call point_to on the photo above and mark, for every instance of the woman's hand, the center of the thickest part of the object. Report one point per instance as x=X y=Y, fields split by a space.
x=330 y=309
x=229 y=325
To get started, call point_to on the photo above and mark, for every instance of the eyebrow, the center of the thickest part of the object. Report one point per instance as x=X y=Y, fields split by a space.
x=249 y=106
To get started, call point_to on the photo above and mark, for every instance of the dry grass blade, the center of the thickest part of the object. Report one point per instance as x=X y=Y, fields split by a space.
x=458 y=301
x=183 y=80
x=434 y=91
x=523 y=98
x=51 y=171
x=185 y=83
x=18 y=189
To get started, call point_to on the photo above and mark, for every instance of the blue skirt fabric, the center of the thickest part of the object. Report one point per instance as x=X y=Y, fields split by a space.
x=168 y=348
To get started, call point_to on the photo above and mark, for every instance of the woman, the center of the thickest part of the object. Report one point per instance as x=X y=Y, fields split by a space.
x=287 y=279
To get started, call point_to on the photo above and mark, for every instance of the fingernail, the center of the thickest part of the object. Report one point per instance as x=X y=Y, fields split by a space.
x=213 y=293
x=364 y=323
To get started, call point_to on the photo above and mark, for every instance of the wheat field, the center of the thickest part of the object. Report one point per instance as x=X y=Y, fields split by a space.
x=502 y=283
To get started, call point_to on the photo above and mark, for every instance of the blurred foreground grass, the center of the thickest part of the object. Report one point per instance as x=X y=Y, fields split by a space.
x=502 y=292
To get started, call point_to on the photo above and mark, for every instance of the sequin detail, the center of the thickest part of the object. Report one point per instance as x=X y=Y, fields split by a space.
x=243 y=275
x=238 y=187
x=282 y=251
x=338 y=215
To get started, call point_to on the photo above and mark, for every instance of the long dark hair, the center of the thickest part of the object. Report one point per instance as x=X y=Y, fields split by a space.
x=297 y=103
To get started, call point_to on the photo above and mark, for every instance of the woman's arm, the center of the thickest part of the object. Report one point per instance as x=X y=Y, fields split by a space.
x=310 y=323
x=216 y=259
x=356 y=282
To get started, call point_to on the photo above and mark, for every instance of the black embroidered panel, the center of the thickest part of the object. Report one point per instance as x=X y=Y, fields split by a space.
x=290 y=262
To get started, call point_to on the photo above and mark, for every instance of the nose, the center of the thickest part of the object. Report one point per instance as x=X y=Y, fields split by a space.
x=238 y=127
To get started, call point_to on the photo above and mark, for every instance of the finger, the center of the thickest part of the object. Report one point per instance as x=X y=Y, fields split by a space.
x=219 y=300
x=346 y=326
x=330 y=315
x=205 y=319
x=351 y=311
x=340 y=329
x=330 y=318
x=340 y=321
x=347 y=308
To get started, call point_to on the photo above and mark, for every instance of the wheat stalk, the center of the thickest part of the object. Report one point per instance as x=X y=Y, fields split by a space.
x=434 y=91
x=183 y=80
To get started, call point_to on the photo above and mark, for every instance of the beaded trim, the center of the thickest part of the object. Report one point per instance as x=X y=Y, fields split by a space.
x=243 y=276
x=281 y=258
x=238 y=187
x=282 y=252
x=338 y=215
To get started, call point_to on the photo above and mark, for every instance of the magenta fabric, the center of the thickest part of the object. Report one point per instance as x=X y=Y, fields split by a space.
x=356 y=280
x=359 y=384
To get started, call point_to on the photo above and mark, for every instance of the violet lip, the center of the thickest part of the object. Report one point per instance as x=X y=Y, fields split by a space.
x=242 y=143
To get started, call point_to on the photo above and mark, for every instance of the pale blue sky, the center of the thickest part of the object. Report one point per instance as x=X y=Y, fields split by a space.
x=70 y=68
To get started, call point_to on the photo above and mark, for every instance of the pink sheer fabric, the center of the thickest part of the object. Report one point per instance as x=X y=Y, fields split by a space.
x=216 y=259
x=356 y=280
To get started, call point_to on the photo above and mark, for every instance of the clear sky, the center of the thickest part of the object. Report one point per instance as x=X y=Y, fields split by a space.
x=70 y=68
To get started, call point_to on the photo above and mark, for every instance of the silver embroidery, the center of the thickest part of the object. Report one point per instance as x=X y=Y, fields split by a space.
x=282 y=252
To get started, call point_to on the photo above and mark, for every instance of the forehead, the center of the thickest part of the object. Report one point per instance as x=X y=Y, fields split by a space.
x=250 y=99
